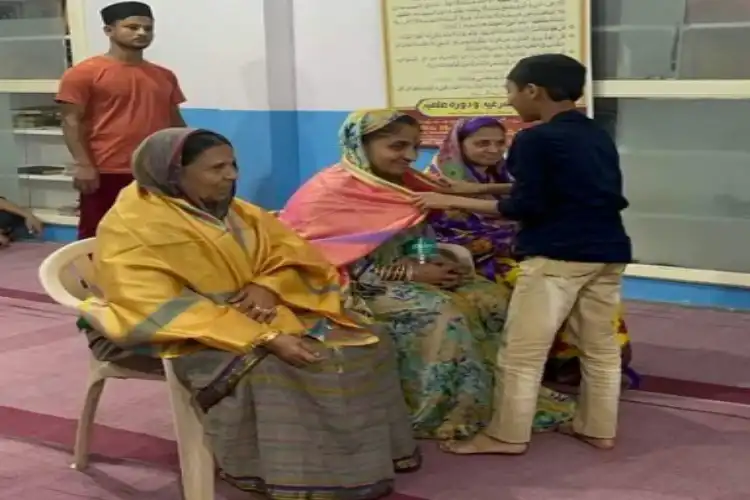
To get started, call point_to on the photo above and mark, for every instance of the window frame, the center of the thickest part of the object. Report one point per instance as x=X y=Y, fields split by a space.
x=75 y=14
x=676 y=90
x=672 y=89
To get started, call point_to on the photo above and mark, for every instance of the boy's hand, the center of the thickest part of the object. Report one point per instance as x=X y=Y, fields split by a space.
x=433 y=201
x=465 y=188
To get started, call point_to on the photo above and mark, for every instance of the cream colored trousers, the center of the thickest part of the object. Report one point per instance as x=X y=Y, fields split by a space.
x=546 y=294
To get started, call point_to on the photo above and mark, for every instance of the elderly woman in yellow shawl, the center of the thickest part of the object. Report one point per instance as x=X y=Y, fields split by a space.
x=446 y=321
x=301 y=399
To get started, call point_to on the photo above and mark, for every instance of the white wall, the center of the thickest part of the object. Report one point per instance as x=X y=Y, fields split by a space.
x=217 y=49
x=222 y=63
x=339 y=55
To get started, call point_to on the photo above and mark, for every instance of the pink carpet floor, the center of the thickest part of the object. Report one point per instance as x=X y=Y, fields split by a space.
x=685 y=436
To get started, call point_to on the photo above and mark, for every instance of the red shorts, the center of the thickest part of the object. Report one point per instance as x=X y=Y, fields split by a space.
x=94 y=206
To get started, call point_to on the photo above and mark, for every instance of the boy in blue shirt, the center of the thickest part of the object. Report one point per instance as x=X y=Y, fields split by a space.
x=567 y=197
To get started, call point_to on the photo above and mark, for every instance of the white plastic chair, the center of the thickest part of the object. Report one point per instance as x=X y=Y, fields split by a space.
x=66 y=276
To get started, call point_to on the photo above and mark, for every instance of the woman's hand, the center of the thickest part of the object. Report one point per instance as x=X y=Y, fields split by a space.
x=449 y=259
x=292 y=350
x=257 y=302
x=440 y=273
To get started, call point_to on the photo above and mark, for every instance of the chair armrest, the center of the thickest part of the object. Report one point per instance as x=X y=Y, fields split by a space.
x=462 y=255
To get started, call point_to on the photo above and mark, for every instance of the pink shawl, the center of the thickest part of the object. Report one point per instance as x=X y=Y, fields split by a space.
x=348 y=213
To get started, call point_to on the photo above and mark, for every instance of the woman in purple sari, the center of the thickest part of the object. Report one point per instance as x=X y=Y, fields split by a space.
x=474 y=152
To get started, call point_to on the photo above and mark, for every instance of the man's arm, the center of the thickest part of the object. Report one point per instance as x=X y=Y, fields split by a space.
x=176 y=117
x=33 y=224
x=176 y=98
x=10 y=207
x=73 y=96
x=74 y=134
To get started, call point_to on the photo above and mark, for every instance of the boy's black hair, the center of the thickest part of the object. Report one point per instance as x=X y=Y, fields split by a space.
x=561 y=76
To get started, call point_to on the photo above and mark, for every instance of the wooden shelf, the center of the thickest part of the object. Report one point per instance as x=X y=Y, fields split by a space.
x=55 y=131
x=43 y=146
x=46 y=178
x=29 y=86
x=52 y=216
x=33 y=38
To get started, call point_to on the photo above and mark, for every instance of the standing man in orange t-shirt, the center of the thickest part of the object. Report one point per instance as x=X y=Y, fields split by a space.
x=112 y=102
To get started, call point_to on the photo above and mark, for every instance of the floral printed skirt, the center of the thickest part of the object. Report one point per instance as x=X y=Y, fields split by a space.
x=447 y=343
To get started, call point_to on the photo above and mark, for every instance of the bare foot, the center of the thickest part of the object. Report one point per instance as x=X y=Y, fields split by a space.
x=598 y=443
x=482 y=444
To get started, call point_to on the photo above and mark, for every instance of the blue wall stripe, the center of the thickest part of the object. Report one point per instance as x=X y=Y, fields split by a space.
x=689 y=294
x=60 y=234
x=278 y=150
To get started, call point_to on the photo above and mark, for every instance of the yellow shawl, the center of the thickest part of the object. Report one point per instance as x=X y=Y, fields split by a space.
x=164 y=270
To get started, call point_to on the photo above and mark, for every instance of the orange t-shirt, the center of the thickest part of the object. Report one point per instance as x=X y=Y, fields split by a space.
x=124 y=103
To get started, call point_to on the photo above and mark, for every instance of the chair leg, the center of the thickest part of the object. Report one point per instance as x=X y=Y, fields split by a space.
x=86 y=422
x=196 y=457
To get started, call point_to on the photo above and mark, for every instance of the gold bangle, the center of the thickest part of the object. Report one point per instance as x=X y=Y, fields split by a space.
x=266 y=338
x=391 y=273
x=384 y=271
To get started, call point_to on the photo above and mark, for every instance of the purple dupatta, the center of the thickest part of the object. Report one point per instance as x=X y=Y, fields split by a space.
x=489 y=239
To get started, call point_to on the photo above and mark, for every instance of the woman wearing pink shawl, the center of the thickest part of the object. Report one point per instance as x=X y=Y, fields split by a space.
x=473 y=153
x=446 y=321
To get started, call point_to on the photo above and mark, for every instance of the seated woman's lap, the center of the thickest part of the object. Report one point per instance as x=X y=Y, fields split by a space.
x=445 y=351
x=349 y=396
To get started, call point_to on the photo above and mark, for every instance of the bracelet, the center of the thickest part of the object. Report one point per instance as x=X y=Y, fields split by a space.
x=387 y=271
x=395 y=272
x=379 y=272
x=266 y=338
